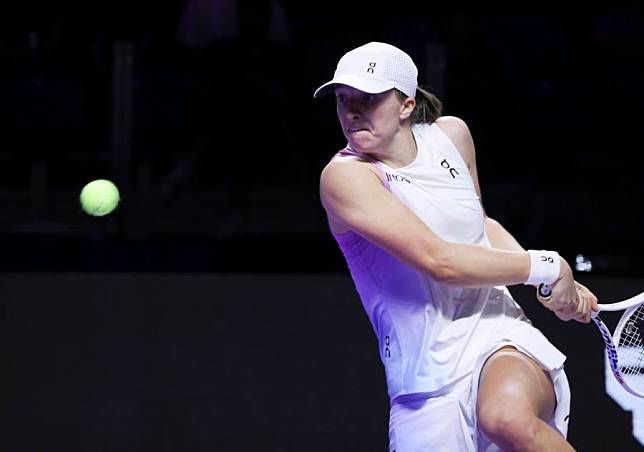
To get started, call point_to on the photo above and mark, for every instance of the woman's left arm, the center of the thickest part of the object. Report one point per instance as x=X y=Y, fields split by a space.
x=456 y=129
x=500 y=237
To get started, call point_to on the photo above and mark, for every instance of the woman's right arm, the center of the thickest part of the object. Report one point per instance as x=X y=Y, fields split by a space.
x=354 y=198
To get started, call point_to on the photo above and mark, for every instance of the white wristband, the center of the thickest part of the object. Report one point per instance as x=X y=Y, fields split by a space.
x=544 y=267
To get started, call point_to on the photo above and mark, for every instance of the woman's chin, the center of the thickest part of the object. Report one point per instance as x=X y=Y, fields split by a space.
x=359 y=146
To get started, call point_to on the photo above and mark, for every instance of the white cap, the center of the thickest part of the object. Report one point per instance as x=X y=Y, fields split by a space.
x=374 y=68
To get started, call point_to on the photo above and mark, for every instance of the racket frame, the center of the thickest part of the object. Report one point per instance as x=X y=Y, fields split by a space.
x=611 y=340
x=610 y=344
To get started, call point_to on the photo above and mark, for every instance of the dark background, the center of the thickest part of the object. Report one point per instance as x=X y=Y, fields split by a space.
x=202 y=113
x=237 y=362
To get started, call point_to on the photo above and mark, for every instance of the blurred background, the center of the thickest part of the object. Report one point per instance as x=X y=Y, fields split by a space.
x=201 y=111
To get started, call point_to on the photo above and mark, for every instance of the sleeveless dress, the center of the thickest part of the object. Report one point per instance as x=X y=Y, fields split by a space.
x=431 y=334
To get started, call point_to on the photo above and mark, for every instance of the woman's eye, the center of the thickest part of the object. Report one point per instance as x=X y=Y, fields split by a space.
x=370 y=99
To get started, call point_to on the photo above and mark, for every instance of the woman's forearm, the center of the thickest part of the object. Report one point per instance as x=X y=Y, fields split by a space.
x=500 y=237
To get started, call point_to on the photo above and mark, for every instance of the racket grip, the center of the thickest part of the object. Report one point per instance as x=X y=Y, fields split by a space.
x=544 y=291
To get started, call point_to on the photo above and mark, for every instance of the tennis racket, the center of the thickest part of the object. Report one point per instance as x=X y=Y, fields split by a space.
x=625 y=347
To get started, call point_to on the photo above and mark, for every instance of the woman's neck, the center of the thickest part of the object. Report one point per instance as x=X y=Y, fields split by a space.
x=403 y=150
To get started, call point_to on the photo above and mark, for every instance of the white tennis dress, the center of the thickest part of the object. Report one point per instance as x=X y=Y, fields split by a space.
x=433 y=336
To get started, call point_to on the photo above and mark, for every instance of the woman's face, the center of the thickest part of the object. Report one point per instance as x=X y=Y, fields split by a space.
x=368 y=121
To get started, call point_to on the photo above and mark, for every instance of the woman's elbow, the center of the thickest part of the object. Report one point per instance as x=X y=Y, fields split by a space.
x=442 y=271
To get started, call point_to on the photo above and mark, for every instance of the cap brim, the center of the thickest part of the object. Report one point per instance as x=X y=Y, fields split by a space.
x=367 y=85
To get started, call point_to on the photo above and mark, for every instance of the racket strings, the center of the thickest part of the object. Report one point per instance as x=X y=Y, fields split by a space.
x=630 y=349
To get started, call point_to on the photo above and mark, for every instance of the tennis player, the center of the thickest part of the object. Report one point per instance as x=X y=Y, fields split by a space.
x=465 y=368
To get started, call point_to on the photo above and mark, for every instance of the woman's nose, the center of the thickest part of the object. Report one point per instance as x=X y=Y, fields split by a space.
x=354 y=110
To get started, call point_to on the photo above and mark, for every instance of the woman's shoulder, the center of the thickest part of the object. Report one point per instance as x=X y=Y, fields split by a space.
x=459 y=134
x=344 y=165
x=341 y=180
x=453 y=126
x=343 y=172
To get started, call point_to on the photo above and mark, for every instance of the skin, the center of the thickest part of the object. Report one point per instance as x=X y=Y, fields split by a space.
x=355 y=198
x=515 y=401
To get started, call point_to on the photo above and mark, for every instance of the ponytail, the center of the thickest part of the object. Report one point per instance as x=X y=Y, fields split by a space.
x=428 y=107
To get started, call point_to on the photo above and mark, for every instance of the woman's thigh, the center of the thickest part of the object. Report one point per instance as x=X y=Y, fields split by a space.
x=511 y=378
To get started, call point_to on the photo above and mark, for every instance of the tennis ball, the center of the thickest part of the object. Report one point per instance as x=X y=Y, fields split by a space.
x=99 y=197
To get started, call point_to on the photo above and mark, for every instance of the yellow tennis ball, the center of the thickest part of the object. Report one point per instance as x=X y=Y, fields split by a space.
x=99 y=197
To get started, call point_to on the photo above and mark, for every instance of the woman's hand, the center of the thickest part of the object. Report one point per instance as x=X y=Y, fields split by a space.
x=587 y=302
x=569 y=299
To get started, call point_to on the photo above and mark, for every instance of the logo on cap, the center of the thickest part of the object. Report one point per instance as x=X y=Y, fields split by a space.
x=396 y=69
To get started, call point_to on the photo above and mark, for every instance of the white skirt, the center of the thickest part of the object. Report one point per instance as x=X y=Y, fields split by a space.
x=447 y=421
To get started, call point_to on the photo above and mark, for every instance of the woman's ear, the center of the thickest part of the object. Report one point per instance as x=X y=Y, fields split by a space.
x=407 y=107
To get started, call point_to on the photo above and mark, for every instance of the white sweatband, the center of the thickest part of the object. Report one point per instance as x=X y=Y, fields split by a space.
x=544 y=267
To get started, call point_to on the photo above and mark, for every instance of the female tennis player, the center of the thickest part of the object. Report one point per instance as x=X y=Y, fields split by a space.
x=465 y=368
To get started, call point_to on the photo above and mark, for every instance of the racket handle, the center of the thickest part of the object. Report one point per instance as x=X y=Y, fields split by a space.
x=544 y=291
